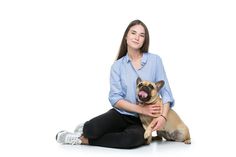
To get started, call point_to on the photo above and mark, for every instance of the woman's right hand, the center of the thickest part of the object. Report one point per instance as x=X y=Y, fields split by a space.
x=153 y=110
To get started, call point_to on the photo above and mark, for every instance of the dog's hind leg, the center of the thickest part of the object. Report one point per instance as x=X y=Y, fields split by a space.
x=180 y=136
x=165 y=135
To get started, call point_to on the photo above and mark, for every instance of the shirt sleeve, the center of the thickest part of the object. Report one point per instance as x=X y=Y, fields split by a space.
x=116 y=93
x=165 y=92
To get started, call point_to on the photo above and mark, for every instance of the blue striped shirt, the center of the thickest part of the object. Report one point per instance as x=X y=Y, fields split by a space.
x=123 y=80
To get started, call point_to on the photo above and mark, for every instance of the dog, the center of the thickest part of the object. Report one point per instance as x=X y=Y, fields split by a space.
x=174 y=129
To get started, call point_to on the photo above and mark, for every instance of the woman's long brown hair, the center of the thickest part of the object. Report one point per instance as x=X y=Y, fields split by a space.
x=123 y=46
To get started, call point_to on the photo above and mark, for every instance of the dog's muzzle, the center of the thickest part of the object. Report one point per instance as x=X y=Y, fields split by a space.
x=144 y=94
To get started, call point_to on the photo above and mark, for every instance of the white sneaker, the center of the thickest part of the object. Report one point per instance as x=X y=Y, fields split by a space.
x=79 y=128
x=65 y=137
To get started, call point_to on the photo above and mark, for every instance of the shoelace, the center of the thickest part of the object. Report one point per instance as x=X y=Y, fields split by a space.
x=73 y=139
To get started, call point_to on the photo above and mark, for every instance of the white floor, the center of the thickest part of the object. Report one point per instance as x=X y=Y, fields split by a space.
x=200 y=148
x=39 y=140
x=156 y=148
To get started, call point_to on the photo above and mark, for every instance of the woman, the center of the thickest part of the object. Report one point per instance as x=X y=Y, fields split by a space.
x=121 y=127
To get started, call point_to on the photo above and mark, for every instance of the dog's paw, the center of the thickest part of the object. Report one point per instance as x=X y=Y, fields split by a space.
x=147 y=134
x=149 y=140
x=187 y=141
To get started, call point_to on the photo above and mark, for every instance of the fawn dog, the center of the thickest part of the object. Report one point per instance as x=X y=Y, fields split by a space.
x=174 y=129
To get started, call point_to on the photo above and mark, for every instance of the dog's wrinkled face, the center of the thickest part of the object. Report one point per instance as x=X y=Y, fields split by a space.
x=147 y=90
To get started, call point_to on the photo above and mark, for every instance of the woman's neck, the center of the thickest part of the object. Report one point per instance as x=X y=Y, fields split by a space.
x=134 y=55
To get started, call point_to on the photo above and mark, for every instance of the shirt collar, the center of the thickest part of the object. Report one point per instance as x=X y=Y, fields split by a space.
x=143 y=61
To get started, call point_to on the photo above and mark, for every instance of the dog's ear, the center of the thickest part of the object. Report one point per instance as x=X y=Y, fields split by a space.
x=138 y=80
x=159 y=84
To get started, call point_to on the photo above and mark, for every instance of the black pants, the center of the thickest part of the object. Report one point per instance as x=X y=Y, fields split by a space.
x=114 y=130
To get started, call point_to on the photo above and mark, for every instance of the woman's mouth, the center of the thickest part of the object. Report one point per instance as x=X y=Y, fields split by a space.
x=137 y=43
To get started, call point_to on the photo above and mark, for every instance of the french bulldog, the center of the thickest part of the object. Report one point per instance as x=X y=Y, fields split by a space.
x=174 y=129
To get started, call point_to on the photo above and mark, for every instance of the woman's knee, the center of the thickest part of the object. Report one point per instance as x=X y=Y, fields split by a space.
x=89 y=130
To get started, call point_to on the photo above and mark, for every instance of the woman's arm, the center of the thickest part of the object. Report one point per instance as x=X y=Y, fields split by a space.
x=165 y=92
x=148 y=110
x=166 y=109
x=127 y=106
x=160 y=121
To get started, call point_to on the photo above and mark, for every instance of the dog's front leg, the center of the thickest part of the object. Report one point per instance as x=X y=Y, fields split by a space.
x=148 y=132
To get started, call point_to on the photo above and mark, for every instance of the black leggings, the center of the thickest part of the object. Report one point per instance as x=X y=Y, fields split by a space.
x=114 y=130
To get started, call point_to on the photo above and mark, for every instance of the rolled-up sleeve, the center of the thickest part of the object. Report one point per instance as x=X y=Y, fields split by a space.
x=165 y=92
x=116 y=93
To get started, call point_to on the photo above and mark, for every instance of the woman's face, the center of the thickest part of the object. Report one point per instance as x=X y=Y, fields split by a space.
x=135 y=37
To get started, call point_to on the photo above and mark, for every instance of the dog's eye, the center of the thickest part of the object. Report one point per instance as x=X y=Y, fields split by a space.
x=150 y=86
x=140 y=85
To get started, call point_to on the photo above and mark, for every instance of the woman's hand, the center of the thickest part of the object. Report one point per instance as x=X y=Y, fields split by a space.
x=153 y=110
x=158 y=123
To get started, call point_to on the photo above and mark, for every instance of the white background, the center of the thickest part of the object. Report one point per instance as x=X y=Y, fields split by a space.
x=55 y=59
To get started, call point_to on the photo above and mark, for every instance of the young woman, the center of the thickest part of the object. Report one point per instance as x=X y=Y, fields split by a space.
x=121 y=127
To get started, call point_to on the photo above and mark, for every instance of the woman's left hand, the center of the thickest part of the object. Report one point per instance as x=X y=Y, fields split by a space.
x=158 y=123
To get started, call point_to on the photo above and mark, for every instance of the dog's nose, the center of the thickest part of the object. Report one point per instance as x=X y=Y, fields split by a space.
x=145 y=88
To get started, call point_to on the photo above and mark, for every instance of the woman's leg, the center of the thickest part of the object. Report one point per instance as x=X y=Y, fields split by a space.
x=115 y=130
x=131 y=137
x=111 y=121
